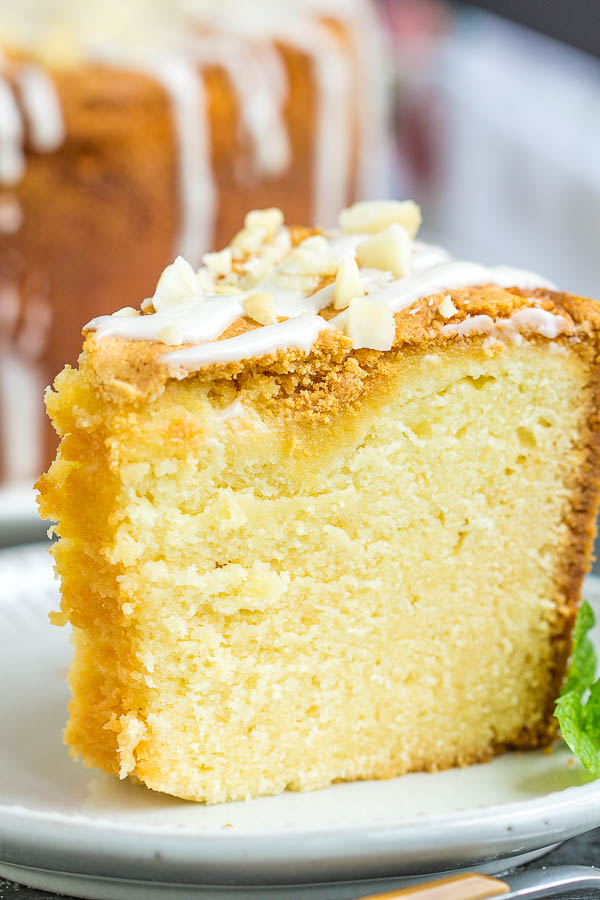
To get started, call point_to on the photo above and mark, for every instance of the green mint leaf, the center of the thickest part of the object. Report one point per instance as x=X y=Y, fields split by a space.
x=579 y=720
x=586 y=747
x=591 y=710
x=582 y=670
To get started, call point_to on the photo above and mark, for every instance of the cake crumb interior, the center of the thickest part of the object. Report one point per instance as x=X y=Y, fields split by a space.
x=262 y=603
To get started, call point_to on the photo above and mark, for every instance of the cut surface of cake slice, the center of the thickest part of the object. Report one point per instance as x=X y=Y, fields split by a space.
x=324 y=509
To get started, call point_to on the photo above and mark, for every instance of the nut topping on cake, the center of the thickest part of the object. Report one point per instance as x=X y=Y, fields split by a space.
x=447 y=308
x=218 y=263
x=127 y=311
x=260 y=307
x=177 y=282
x=347 y=283
x=284 y=277
x=248 y=240
x=375 y=216
x=370 y=324
x=311 y=257
x=270 y=219
x=170 y=335
x=389 y=250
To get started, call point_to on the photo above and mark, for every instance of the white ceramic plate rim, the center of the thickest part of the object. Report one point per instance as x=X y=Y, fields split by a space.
x=426 y=845
x=18 y=505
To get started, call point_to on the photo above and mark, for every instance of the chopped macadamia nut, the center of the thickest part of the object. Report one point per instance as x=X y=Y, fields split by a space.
x=315 y=242
x=249 y=240
x=270 y=219
x=256 y=269
x=447 y=309
x=260 y=308
x=127 y=311
x=177 y=282
x=370 y=324
x=389 y=250
x=219 y=263
x=347 y=283
x=170 y=335
x=311 y=257
x=205 y=280
x=373 y=217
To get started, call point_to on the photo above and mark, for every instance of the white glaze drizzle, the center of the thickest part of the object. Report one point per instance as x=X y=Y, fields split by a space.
x=183 y=83
x=12 y=158
x=538 y=321
x=259 y=80
x=369 y=44
x=200 y=320
x=41 y=108
x=298 y=333
x=333 y=77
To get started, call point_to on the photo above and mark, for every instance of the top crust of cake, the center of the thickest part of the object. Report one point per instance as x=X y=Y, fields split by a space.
x=355 y=331
x=127 y=370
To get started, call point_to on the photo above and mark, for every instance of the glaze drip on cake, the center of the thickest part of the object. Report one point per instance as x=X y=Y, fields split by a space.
x=197 y=308
x=32 y=108
x=175 y=42
x=132 y=132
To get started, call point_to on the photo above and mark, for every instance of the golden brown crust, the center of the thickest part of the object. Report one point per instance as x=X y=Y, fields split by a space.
x=128 y=370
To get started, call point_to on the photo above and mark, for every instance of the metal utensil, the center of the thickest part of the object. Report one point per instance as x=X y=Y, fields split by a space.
x=546 y=882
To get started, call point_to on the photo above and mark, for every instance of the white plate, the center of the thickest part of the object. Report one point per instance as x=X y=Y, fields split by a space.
x=19 y=517
x=69 y=828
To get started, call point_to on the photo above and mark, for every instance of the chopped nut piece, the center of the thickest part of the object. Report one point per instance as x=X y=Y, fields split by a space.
x=260 y=308
x=311 y=257
x=206 y=282
x=370 y=324
x=347 y=283
x=225 y=287
x=170 y=335
x=378 y=215
x=256 y=269
x=282 y=241
x=127 y=311
x=177 y=282
x=270 y=219
x=249 y=240
x=447 y=308
x=305 y=284
x=219 y=263
x=389 y=250
x=315 y=242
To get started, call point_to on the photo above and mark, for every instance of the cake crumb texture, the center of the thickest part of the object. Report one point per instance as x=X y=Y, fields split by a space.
x=265 y=600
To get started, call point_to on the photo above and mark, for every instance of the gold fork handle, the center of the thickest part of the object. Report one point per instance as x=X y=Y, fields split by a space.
x=459 y=887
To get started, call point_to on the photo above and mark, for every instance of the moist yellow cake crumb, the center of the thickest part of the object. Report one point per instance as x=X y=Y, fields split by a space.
x=325 y=565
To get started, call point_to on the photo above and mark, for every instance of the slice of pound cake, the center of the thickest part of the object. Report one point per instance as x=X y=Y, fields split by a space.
x=324 y=507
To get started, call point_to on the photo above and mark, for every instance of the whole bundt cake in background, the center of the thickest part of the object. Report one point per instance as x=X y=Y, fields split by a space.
x=132 y=132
